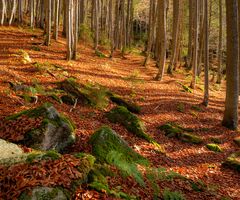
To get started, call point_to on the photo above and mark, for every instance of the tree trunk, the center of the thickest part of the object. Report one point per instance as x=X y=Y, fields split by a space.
x=176 y=22
x=162 y=32
x=190 y=34
x=195 y=45
x=32 y=13
x=3 y=11
x=230 y=119
x=20 y=16
x=76 y=30
x=69 y=26
x=206 y=55
x=219 y=77
x=48 y=21
x=56 y=19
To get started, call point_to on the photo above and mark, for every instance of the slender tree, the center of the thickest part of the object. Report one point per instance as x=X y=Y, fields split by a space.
x=48 y=21
x=163 y=36
x=14 y=8
x=76 y=30
x=56 y=19
x=195 y=44
x=4 y=10
x=175 y=41
x=206 y=55
x=219 y=77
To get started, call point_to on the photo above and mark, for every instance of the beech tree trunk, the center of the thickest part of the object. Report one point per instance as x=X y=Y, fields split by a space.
x=162 y=32
x=195 y=44
x=219 y=77
x=206 y=55
x=230 y=119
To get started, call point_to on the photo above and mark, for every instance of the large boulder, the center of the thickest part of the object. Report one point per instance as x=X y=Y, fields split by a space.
x=108 y=147
x=105 y=141
x=54 y=132
x=10 y=153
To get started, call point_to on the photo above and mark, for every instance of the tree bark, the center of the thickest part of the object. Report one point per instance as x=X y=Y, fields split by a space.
x=162 y=32
x=195 y=45
x=230 y=119
x=219 y=77
x=206 y=55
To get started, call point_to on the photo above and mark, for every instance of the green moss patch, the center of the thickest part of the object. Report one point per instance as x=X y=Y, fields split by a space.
x=233 y=161
x=214 y=147
x=49 y=155
x=56 y=131
x=183 y=134
x=132 y=107
x=131 y=122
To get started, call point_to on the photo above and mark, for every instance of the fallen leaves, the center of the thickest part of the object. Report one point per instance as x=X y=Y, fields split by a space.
x=15 y=179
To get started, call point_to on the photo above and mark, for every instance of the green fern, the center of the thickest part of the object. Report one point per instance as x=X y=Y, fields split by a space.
x=125 y=166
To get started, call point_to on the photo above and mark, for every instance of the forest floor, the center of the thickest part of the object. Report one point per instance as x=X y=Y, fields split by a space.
x=161 y=102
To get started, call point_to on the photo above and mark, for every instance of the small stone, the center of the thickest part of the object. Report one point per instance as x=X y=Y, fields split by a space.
x=233 y=161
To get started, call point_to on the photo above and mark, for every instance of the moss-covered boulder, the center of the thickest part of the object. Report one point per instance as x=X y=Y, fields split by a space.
x=214 y=147
x=105 y=140
x=190 y=138
x=233 y=161
x=91 y=94
x=56 y=131
x=237 y=140
x=109 y=147
x=171 y=130
x=44 y=193
x=130 y=121
x=132 y=107
x=181 y=133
